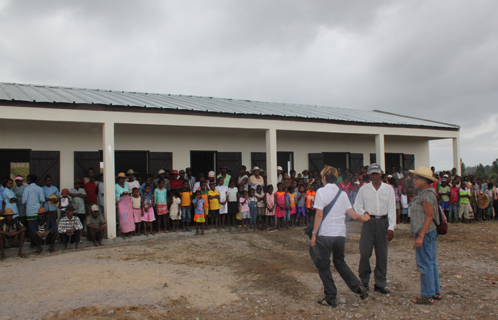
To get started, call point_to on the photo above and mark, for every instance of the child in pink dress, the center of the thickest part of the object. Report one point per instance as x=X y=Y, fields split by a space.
x=148 y=209
x=137 y=209
x=280 y=205
x=270 y=208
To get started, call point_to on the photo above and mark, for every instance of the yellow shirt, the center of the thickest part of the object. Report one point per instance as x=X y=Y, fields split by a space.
x=185 y=195
x=214 y=204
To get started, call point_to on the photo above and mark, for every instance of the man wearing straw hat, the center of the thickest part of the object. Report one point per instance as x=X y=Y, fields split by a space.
x=70 y=228
x=256 y=179
x=376 y=199
x=43 y=230
x=11 y=233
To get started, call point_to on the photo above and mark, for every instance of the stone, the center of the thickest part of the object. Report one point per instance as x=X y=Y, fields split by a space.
x=110 y=312
x=342 y=300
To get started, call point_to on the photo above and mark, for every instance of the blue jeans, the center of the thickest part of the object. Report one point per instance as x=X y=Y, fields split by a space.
x=427 y=264
x=186 y=217
x=287 y=215
x=453 y=215
x=254 y=215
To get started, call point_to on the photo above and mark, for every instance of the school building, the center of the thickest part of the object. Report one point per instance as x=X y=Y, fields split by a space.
x=64 y=131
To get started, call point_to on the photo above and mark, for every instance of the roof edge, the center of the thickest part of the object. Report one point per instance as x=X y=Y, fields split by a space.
x=422 y=119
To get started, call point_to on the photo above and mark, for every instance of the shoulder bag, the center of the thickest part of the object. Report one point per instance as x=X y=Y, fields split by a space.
x=326 y=210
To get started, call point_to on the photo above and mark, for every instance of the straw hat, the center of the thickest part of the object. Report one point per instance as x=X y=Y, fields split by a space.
x=424 y=172
x=255 y=168
x=54 y=199
x=279 y=168
x=131 y=171
x=8 y=212
x=161 y=171
x=121 y=175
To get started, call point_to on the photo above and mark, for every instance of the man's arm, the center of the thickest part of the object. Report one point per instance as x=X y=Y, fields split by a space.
x=359 y=206
x=391 y=210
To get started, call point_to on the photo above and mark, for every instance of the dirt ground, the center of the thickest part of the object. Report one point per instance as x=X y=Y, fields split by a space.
x=254 y=275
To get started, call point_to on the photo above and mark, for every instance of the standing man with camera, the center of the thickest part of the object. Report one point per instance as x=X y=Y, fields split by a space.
x=377 y=200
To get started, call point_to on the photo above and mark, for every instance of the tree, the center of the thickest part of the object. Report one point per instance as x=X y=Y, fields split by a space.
x=494 y=167
x=480 y=172
x=462 y=167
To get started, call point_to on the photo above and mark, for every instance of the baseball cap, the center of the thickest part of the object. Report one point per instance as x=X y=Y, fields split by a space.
x=374 y=168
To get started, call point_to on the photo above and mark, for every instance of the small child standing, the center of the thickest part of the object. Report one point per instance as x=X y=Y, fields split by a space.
x=65 y=201
x=292 y=206
x=214 y=205
x=244 y=210
x=270 y=208
x=199 y=216
x=253 y=209
x=454 y=200
x=260 y=195
x=204 y=194
x=301 y=205
x=280 y=205
x=287 y=208
x=161 y=204
x=148 y=210
x=404 y=205
x=137 y=209
x=310 y=202
x=233 y=205
x=186 y=196
x=174 y=211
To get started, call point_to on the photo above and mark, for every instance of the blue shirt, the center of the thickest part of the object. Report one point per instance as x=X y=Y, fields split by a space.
x=120 y=190
x=21 y=208
x=49 y=225
x=32 y=197
x=48 y=191
x=7 y=195
x=199 y=206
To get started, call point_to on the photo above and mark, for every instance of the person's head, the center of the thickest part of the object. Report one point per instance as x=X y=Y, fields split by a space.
x=95 y=210
x=269 y=189
x=433 y=169
x=256 y=171
x=9 y=183
x=356 y=186
x=244 y=193
x=301 y=189
x=221 y=181
x=32 y=178
x=241 y=189
x=121 y=178
x=252 y=192
x=329 y=175
x=48 y=180
x=242 y=170
x=280 y=186
x=453 y=171
x=147 y=188
x=135 y=192
x=189 y=172
x=312 y=187
x=42 y=214
x=212 y=185
x=474 y=180
x=223 y=168
x=176 y=193
x=77 y=184
x=181 y=174
x=286 y=176
x=293 y=174
x=174 y=174
x=204 y=185
x=19 y=181
x=279 y=170
x=286 y=189
x=140 y=179
x=148 y=180
x=91 y=173
x=443 y=183
x=305 y=173
x=294 y=183
x=232 y=184
x=198 y=195
x=259 y=188
x=291 y=189
x=346 y=179
x=70 y=211
x=422 y=178
x=161 y=183
x=202 y=177
x=130 y=174
x=463 y=186
x=404 y=190
x=490 y=185
x=161 y=173
x=185 y=184
x=366 y=178
x=166 y=174
x=8 y=215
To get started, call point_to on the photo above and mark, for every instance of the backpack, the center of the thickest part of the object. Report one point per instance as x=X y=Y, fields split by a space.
x=442 y=227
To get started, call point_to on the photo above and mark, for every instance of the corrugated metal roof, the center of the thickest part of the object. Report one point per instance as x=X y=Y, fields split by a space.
x=55 y=94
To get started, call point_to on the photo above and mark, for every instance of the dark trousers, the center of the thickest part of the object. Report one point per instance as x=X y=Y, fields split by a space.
x=495 y=205
x=373 y=235
x=75 y=237
x=335 y=246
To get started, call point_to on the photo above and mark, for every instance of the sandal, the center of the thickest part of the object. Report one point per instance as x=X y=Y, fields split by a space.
x=438 y=296
x=423 y=300
x=325 y=302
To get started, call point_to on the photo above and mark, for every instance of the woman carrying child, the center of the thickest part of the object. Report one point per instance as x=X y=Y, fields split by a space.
x=148 y=210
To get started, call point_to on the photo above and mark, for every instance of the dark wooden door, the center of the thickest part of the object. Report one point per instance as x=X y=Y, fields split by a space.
x=7 y=156
x=44 y=163
x=408 y=162
x=136 y=160
x=373 y=158
x=392 y=160
x=315 y=161
x=160 y=160
x=258 y=159
x=202 y=162
x=337 y=160
x=233 y=160
x=355 y=161
x=283 y=159
x=84 y=160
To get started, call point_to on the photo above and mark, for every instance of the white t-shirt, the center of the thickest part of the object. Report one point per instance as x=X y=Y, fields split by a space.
x=223 y=197
x=404 y=201
x=246 y=186
x=232 y=194
x=334 y=224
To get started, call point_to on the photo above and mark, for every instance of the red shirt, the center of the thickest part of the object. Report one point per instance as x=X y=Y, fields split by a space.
x=346 y=187
x=91 y=191
x=454 y=193
x=176 y=184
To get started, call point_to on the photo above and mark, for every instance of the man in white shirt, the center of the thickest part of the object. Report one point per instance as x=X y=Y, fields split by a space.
x=279 y=173
x=378 y=200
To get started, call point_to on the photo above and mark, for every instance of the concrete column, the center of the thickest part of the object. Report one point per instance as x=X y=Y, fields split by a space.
x=67 y=170
x=109 y=179
x=380 y=151
x=456 y=155
x=271 y=157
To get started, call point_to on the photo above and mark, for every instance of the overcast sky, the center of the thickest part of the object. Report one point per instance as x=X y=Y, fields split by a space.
x=429 y=59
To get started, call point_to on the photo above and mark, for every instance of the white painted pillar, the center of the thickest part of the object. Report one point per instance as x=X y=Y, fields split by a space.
x=380 y=151
x=456 y=155
x=271 y=157
x=109 y=179
x=67 y=168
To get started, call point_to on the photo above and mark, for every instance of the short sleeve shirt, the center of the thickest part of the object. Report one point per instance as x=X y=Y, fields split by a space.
x=16 y=225
x=334 y=223
x=417 y=211
x=244 y=207
x=214 y=204
x=446 y=189
x=96 y=222
x=185 y=195
x=232 y=194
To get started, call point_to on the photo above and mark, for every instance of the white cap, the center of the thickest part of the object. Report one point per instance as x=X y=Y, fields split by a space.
x=161 y=171
x=95 y=207
x=211 y=174
x=279 y=168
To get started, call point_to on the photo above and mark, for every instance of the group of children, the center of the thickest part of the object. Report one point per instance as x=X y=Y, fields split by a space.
x=215 y=205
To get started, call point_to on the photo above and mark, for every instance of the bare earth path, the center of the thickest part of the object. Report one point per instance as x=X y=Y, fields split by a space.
x=251 y=275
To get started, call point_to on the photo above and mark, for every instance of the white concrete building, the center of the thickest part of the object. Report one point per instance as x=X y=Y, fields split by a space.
x=64 y=131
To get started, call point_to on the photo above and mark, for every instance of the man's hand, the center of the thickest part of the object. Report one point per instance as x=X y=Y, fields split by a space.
x=418 y=243
x=366 y=217
x=313 y=240
x=390 y=235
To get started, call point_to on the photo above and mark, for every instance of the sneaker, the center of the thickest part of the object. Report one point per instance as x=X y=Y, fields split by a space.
x=384 y=290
